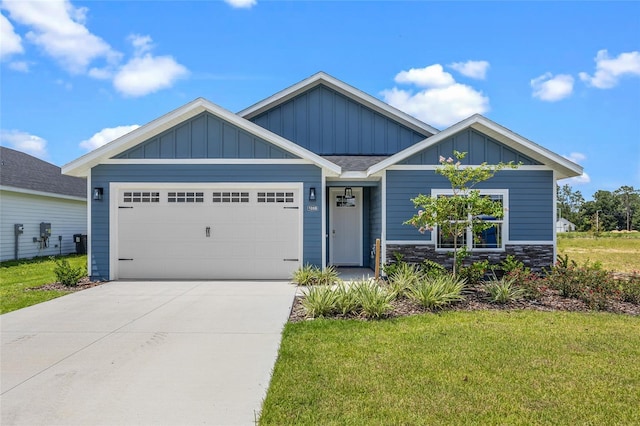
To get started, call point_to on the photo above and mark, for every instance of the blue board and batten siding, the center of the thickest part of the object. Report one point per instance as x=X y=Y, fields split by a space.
x=328 y=123
x=102 y=175
x=479 y=148
x=375 y=220
x=205 y=136
x=531 y=194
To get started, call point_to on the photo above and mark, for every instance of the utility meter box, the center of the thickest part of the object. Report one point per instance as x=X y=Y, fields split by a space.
x=18 y=228
x=45 y=230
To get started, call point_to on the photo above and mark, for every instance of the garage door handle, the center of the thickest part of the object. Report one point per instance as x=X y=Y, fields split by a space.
x=290 y=260
x=292 y=208
x=207 y=231
x=125 y=259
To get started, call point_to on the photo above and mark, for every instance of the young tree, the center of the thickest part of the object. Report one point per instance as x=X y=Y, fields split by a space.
x=464 y=208
x=629 y=199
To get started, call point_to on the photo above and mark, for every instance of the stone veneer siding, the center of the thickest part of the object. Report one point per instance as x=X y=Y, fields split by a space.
x=535 y=257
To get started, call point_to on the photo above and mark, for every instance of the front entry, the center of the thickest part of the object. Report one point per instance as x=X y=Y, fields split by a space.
x=345 y=226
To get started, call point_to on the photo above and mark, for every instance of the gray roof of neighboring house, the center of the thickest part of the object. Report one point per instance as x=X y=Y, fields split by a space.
x=355 y=163
x=20 y=170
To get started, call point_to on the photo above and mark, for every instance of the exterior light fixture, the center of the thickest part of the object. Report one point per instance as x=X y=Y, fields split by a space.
x=97 y=194
x=348 y=193
x=312 y=194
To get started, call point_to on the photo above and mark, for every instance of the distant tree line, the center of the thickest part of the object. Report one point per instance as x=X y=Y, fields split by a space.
x=617 y=210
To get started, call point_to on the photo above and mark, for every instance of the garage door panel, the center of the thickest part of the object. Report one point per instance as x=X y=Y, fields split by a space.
x=249 y=238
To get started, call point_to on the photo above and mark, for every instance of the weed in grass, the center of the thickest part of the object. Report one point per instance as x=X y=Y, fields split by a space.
x=375 y=301
x=319 y=301
x=437 y=292
x=504 y=290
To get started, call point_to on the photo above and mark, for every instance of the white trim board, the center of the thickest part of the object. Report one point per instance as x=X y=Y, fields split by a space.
x=41 y=193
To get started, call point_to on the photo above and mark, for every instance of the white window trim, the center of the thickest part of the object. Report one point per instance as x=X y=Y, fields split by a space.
x=505 y=221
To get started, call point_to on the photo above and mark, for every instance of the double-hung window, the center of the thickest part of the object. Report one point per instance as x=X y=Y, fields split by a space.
x=492 y=238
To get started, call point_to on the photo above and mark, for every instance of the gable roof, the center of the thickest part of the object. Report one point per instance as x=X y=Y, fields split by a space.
x=23 y=171
x=346 y=90
x=563 y=167
x=82 y=165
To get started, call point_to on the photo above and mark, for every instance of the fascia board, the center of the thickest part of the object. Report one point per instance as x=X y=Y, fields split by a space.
x=41 y=193
x=564 y=167
x=346 y=90
x=82 y=165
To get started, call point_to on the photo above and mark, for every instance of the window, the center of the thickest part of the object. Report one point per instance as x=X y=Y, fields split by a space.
x=185 y=197
x=141 y=197
x=275 y=197
x=489 y=239
x=230 y=197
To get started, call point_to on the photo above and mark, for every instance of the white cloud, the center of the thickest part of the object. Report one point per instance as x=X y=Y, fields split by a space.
x=431 y=76
x=147 y=74
x=610 y=70
x=21 y=66
x=58 y=28
x=472 y=69
x=443 y=101
x=25 y=142
x=141 y=44
x=551 y=89
x=105 y=136
x=10 y=42
x=576 y=157
x=241 y=4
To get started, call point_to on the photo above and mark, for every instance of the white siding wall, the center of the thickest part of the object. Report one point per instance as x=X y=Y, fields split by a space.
x=67 y=217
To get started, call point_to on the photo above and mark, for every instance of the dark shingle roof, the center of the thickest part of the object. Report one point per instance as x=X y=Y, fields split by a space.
x=355 y=163
x=21 y=170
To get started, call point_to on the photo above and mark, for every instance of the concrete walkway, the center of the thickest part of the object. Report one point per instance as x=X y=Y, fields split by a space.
x=143 y=353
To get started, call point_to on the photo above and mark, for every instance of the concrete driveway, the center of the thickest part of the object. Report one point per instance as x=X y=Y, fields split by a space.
x=144 y=353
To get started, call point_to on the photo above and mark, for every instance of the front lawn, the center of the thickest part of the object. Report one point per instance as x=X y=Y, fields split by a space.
x=482 y=367
x=18 y=277
x=617 y=252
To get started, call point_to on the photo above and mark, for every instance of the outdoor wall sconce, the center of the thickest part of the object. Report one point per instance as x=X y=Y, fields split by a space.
x=312 y=194
x=97 y=194
x=348 y=193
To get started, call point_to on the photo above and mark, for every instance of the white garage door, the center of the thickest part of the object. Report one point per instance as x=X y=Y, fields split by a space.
x=208 y=233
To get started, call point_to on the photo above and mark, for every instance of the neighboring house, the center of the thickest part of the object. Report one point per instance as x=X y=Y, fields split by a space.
x=563 y=225
x=311 y=175
x=40 y=208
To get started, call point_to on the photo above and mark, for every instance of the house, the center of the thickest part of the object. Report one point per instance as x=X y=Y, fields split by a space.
x=563 y=225
x=40 y=208
x=311 y=175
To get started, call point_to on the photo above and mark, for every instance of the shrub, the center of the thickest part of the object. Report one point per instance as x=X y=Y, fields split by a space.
x=66 y=274
x=391 y=268
x=436 y=292
x=504 y=290
x=474 y=273
x=306 y=275
x=630 y=289
x=374 y=300
x=347 y=301
x=589 y=282
x=433 y=269
x=319 y=301
x=531 y=284
x=510 y=263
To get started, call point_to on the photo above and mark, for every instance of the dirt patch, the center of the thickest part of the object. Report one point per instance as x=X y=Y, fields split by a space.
x=476 y=299
x=83 y=284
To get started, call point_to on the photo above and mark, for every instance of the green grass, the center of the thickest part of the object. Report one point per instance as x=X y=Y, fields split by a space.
x=615 y=253
x=505 y=367
x=17 y=276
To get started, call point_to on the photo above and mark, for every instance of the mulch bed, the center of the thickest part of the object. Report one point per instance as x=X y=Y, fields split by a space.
x=477 y=299
x=83 y=284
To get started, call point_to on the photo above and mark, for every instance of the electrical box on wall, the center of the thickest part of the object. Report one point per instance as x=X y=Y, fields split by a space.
x=45 y=230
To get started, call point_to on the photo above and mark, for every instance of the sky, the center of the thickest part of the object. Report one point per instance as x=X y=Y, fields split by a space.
x=75 y=75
